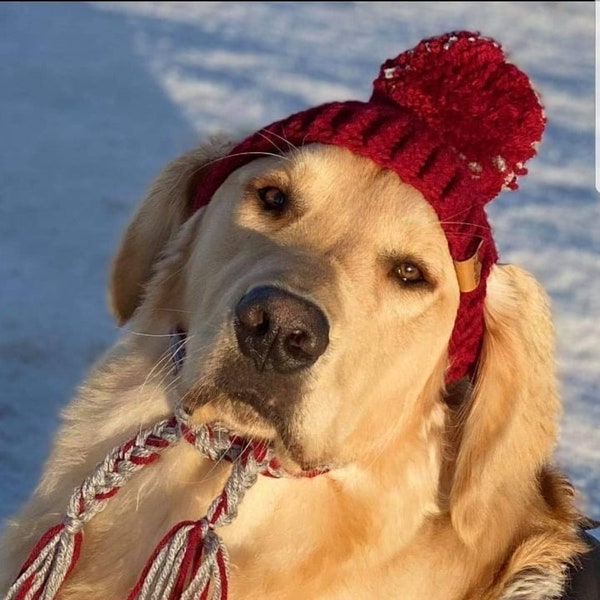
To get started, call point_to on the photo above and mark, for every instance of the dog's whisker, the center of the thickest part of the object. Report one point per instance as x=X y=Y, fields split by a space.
x=165 y=361
x=263 y=134
x=240 y=154
x=147 y=396
x=173 y=273
x=151 y=335
x=471 y=225
x=291 y=147
x=193 y=172
x=460 y=234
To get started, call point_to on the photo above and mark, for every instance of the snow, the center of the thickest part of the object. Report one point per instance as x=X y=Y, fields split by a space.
x=96 y=97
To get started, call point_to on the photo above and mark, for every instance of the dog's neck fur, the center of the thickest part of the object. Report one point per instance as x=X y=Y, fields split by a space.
x=182 y=485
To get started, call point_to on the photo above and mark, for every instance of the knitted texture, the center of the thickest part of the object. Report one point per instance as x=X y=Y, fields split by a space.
x=453 y=119
x=191 y=560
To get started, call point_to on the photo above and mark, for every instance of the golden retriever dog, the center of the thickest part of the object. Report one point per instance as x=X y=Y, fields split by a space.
x=318 y=296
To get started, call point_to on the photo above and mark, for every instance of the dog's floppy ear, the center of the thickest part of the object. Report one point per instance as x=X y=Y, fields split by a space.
x=509 y=426
x=155 y=222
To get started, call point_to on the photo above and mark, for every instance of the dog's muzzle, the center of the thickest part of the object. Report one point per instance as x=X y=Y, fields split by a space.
x=280 y=331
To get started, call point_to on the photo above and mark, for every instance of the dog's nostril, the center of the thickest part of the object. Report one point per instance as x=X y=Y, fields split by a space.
x=297 y=344
x=297 y=338
x=263 y=327
x=255 y=319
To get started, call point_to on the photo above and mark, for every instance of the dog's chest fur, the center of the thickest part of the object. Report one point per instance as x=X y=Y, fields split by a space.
x=361 y=554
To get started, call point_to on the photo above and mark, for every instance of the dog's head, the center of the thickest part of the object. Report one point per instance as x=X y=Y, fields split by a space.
x=319 y=295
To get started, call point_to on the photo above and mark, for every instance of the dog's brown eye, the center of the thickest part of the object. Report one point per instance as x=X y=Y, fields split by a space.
x=408 y=273
x=273 y=198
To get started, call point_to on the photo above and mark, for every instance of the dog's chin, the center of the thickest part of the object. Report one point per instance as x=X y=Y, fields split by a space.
x=240 y=418
x=238 y=413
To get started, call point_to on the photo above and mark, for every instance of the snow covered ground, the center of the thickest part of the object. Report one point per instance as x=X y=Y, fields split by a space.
x=96 y=97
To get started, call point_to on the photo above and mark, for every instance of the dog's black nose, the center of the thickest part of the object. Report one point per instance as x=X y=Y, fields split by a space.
x=280 y=331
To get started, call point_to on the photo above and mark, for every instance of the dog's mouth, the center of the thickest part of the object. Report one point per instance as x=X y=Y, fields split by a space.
x=262 y=407
x=257 y=415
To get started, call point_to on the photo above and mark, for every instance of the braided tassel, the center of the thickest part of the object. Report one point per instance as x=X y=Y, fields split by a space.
x=193 y=551
x=56 y=553
x=191 y=561
x=48 y=565
x=188 y=552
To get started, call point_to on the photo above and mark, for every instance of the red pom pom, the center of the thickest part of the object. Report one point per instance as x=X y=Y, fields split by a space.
x=485 y=108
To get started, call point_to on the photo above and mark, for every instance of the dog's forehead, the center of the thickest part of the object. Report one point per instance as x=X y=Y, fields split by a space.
x=351 y=184
x=351 y=191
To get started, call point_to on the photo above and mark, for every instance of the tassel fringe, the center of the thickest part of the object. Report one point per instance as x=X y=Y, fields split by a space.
x=193 y=551
x=48 y=565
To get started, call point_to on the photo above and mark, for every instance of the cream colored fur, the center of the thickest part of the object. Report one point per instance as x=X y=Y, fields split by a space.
x=428 y=498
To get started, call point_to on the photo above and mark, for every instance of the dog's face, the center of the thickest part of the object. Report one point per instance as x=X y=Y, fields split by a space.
x=318 y=295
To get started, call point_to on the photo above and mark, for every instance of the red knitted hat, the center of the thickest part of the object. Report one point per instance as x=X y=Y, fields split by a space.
x=452 y=118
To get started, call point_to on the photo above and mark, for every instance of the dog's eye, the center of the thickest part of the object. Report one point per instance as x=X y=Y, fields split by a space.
x=273 y=198
x=409 y=273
